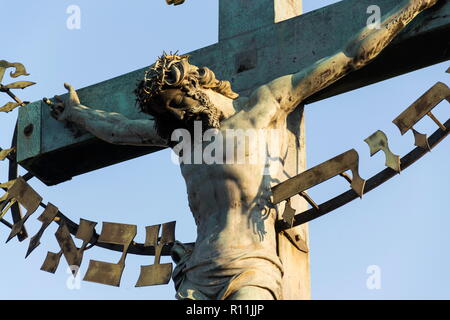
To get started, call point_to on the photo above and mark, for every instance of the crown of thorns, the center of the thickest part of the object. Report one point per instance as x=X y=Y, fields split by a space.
x=168 y=70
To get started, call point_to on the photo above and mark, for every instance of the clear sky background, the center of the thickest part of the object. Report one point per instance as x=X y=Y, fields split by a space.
x=401 y=227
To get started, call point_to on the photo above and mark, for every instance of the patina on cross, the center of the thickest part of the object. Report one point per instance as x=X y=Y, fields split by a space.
x=251 y=51
x=256 y=45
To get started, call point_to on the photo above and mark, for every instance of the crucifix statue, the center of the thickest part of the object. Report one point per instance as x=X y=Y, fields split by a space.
x=237 y=253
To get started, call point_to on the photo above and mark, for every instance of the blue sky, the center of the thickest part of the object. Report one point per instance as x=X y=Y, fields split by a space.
x=401 y=228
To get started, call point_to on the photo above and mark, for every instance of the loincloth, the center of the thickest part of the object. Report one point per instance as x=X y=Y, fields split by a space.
x=220 y=277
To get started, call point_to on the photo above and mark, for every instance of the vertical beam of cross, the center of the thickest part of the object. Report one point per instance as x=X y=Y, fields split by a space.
x=240 y=17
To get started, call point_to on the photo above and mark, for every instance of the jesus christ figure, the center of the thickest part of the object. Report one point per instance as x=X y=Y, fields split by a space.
x=235 y=253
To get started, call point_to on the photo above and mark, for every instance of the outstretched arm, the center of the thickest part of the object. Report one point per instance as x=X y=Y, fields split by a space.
x=365 y=46
x=109 y=126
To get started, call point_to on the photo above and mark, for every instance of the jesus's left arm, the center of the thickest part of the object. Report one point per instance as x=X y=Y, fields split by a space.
x=290 y=90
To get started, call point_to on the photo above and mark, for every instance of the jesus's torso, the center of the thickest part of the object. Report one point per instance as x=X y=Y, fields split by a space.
x=231 y=201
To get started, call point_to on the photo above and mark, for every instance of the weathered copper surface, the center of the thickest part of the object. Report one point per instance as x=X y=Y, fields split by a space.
x=379 y=141
x=239 y=33
x=314 y=176
x=156 y=272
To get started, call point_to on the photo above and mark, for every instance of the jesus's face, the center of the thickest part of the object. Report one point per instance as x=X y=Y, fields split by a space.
x=176 y=103
x=177 y=108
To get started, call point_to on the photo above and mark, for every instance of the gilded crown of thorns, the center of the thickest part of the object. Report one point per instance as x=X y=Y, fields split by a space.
x=172 y=70
x=163 y=74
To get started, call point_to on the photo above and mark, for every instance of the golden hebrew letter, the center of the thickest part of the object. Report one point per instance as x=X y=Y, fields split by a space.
x=72 y=254
x=346 y=161
x=47 y=217
x=110 y=273
x=157 y=273
x=21 y=192
x=379 y=141
x=51 y=262
x=85 y=232
x=8 y=107
x=19 y=85
x=68 y=246
x=20 y=69
x=420 y=108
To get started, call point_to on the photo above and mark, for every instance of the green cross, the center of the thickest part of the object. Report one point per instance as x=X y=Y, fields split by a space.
x=256 y=44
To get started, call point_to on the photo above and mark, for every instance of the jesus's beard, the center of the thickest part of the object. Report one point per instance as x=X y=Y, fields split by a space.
x=210 y=116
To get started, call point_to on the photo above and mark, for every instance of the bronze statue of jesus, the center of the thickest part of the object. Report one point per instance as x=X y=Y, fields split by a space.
x=235 y=253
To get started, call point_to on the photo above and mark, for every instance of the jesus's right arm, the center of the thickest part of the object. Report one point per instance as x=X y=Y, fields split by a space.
x=111 y=127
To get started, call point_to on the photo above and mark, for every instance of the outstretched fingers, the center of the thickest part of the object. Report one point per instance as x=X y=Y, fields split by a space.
x=72 y=93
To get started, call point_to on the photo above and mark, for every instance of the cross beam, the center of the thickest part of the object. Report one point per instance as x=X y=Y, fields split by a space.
x=252 y=51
